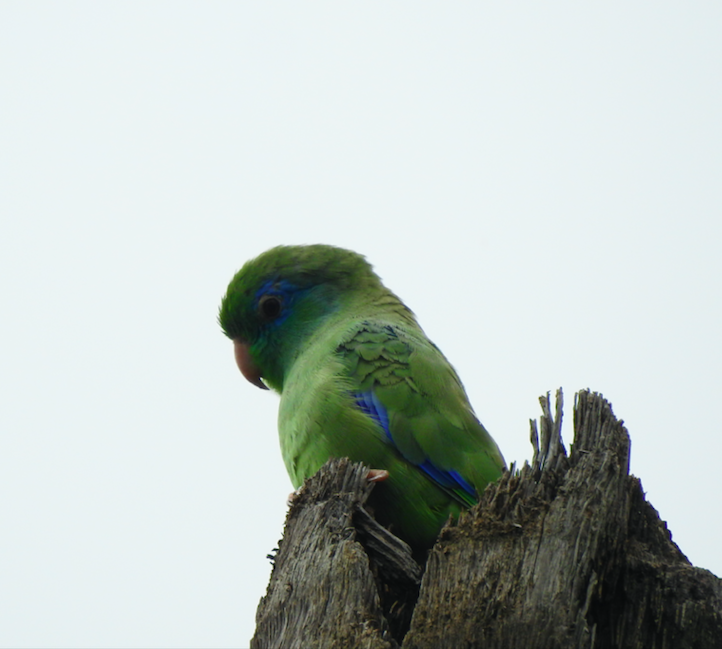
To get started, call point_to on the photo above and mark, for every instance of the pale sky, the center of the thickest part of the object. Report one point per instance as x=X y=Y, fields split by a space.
x=541 y=183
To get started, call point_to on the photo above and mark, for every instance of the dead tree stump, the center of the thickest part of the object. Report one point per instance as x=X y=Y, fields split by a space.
x=565 y=553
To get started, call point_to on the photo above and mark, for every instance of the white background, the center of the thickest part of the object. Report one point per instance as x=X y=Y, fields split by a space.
x=541 y=184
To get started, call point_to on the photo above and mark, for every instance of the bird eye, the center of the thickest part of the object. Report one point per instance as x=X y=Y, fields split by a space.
x=270 y=306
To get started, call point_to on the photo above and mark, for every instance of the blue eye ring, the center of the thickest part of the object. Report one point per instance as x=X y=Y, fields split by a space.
x=270 y=307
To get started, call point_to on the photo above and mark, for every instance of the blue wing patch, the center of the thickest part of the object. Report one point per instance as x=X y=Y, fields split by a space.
x=369 y=404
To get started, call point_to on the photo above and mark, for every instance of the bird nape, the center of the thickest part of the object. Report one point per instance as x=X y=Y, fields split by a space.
x=358 y=378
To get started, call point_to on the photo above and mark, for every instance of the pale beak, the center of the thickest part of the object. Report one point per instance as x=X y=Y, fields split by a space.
x=245 y=363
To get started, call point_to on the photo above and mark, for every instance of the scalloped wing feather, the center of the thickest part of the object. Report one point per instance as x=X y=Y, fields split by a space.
x=406 y=384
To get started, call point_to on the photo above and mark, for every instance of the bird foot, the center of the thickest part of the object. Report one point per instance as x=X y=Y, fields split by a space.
x=374 y=475
x=292 y=496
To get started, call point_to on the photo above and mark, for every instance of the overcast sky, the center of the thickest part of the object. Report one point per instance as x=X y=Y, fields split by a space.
x=542 y=185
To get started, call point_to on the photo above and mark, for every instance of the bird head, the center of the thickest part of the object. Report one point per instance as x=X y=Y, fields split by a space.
x=275 y=303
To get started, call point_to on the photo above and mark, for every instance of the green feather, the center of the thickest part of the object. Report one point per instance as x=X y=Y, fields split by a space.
x=339 y=332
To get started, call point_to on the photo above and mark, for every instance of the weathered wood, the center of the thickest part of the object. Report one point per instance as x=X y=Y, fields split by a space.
x=326 y=588
x=565 y=553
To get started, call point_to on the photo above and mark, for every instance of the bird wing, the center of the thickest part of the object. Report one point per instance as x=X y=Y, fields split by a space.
x=403 y=382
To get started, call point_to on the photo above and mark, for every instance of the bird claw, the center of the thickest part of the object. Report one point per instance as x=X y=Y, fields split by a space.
x=374 y=475
x=292 y=496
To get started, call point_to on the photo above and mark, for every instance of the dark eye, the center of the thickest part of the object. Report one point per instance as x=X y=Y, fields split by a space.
x=270 y=306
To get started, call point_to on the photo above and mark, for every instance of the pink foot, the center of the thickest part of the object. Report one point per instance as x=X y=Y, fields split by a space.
x=292 y=496
x=374 y=475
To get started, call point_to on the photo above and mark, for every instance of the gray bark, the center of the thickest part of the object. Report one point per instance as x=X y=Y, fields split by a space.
x=565 y=553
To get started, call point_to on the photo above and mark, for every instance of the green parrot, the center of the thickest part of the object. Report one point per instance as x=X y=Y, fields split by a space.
x=358 y=378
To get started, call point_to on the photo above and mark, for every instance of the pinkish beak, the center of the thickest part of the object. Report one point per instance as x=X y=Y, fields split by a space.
x=245 y=363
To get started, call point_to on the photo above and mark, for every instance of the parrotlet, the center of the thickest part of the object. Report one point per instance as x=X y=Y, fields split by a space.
x=358 y=378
